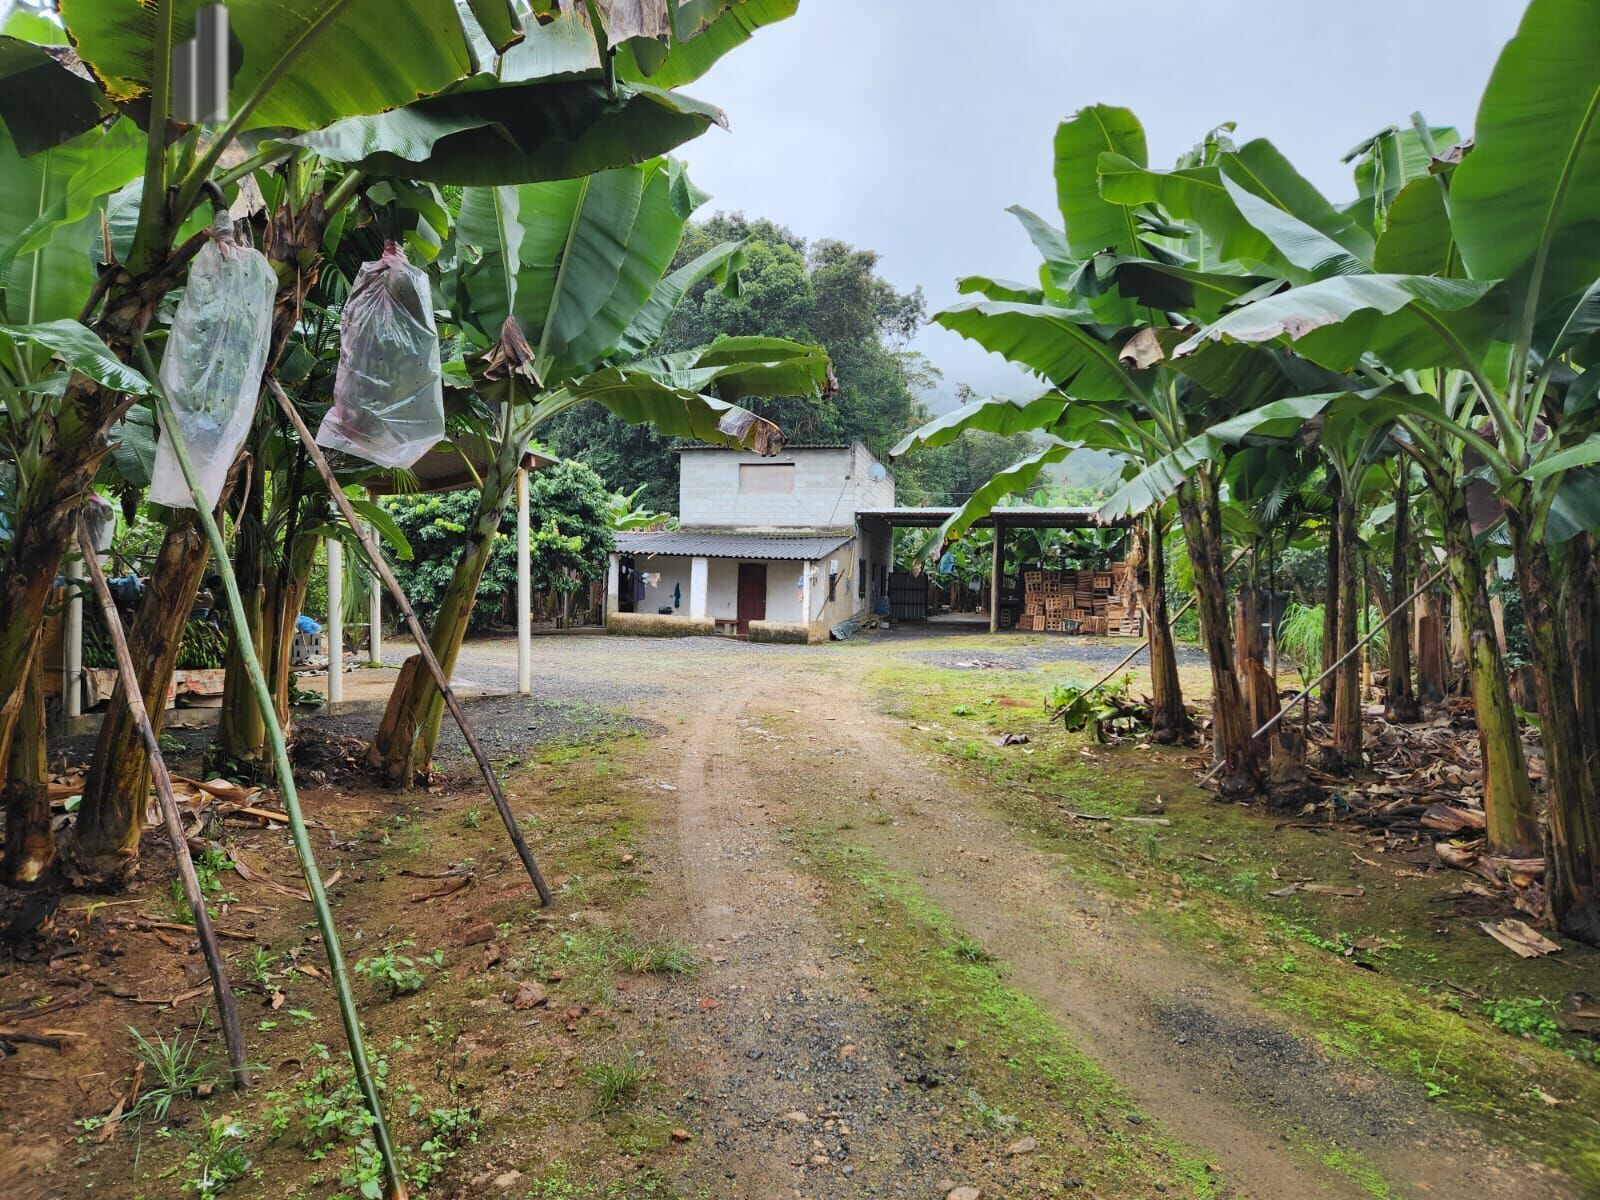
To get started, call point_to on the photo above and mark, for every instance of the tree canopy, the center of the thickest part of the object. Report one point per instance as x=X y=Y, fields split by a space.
x=826 y=293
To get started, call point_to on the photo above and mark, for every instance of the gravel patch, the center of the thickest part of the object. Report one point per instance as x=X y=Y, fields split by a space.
x=1077 y=651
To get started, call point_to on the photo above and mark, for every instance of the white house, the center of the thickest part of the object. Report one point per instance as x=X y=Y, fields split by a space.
x=774 y=540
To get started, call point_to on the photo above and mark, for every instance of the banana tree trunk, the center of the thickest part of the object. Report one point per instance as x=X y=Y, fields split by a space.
x=1327 y=695
x=1572 y=859
x=1347 y=690
x=1202 y=525
x=409 y=731
x=1512 y=827
x=1169 y=719
x=46 y=520
x=30 y=848
x=1580 y=610
x=286 y=590
x=1400 y=703
x=104 y=851
x=241 y=741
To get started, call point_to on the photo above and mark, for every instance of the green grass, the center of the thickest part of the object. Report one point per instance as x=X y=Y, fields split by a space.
x=1386 y=980
x=1013 y=1066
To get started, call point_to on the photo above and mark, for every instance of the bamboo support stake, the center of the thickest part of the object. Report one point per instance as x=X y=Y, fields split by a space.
x=227 y=1009
x=1403 y=606
x=424 y=647
x=291 y=798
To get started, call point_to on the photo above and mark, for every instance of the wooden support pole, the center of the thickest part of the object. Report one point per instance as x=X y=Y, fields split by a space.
x=335 y=621
x=227 y=1010
x=424 y=647
x=524 y=589
x=337 y=969
x=996 y=567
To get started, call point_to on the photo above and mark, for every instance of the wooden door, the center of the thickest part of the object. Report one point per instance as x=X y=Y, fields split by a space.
x=752 y=595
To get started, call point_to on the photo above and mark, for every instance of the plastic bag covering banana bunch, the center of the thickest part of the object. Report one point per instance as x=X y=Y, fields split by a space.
x=211 y=369
x=388 y=402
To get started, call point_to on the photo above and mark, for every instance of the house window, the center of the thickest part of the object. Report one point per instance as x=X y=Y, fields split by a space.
x=766 y=479
x=861 y=579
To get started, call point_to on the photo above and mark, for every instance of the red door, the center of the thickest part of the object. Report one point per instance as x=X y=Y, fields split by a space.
x=752 y=595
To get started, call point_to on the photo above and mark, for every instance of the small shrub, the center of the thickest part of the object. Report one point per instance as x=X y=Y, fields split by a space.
x=397 y=974
x=970 y=951
x=616 y=1083
x=217 y=1158
x=173 y=1070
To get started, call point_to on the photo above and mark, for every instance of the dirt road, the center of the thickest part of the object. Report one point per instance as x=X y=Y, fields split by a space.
x=808 y=1087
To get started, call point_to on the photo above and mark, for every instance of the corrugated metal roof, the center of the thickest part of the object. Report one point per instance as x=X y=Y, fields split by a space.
x=1023 y=516
x=807 y=546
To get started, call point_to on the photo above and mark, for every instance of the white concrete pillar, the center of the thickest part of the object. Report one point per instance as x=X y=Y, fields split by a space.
x=335 y=621
x=72 y=641
x=614 y=584
x=699 y=586
x=524 y=590
x=805 y=593
x=375 y=606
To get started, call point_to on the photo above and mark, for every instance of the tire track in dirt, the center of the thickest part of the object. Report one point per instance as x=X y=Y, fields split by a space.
x=788 y=1035
x=1194 y=1048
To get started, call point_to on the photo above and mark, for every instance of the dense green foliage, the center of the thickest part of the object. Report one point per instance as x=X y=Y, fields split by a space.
x=568 y=510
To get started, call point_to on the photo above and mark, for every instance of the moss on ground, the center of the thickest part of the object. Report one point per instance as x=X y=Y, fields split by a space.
x=1018 y=1073
x=1391 y=978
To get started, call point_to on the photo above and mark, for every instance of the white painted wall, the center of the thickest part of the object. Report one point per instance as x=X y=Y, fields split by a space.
x=829 y=487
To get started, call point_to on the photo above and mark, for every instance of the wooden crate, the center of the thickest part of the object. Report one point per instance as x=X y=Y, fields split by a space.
x=1055 y=625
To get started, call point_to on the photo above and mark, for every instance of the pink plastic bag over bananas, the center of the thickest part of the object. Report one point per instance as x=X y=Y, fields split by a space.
x=211 y=369
x=388 y=402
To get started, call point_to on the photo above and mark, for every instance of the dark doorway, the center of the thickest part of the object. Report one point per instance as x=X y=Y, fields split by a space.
x=752 y=595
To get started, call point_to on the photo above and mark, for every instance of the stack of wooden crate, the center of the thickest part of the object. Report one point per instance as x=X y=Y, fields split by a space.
x=1097 y=602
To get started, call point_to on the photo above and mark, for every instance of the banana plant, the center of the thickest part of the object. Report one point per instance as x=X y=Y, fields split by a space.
x=1500 y=332
x=490 y=85
x=562 y=288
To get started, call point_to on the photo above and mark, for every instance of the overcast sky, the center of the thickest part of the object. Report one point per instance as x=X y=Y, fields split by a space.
x=909 y=126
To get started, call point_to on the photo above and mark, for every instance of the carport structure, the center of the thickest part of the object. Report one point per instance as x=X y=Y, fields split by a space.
x=1000 y=520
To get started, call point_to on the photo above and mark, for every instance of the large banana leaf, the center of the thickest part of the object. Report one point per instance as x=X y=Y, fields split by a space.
x=1060 y=345
x=1535 y=170
x=321 y=60
x=1408 y=321
x=722 y=263
x=75 y=347
x=1014 y=480
x=491 y=133
x=1418 y=239
x=575 y=261
x=1167 y=287
x=641 y=399
x=745 y=368
x=46 y=94
x=50 y=205
x=1303 y=245
x=1059 y=266
x=1199 y=194
x=1093 y=223
x=1004 y=415
x=662 y=42
x=734 y=369
x=1387 y=163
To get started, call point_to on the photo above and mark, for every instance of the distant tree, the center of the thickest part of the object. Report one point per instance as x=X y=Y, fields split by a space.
x=827 y=293
x=569 y=515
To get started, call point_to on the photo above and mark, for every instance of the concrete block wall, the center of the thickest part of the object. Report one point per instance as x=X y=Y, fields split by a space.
x=830 y=485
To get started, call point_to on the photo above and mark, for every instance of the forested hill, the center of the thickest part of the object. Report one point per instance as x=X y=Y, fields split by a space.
x=824 y=292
